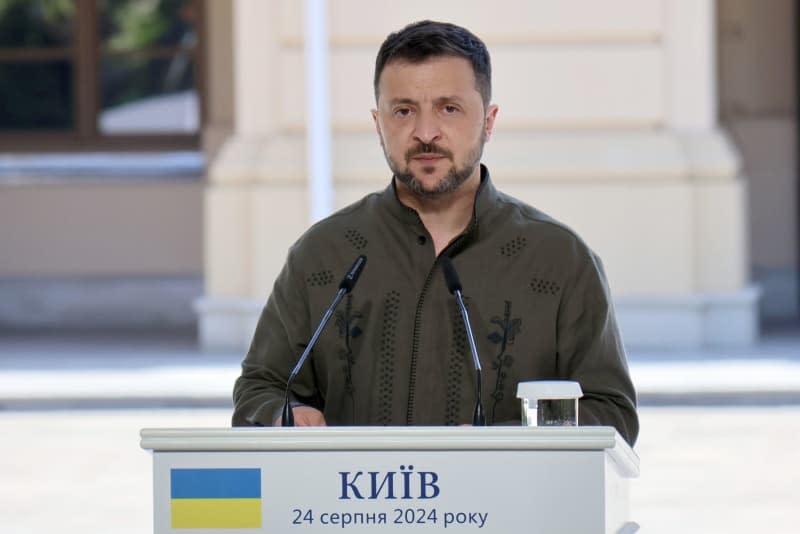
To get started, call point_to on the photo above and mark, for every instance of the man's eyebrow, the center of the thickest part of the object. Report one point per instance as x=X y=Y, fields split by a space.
x=437 y=101
x=447 y=99
x=396 y=101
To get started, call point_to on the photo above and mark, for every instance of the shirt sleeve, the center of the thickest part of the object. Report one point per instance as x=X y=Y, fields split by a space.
x=590 y=351
x=279 y=339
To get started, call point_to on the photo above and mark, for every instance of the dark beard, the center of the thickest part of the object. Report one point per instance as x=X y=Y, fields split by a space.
x=451 y=181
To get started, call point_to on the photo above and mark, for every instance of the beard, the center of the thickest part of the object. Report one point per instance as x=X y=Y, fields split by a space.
x=449 y=183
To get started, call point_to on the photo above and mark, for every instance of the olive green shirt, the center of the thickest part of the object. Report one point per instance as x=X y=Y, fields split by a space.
x=396 y=351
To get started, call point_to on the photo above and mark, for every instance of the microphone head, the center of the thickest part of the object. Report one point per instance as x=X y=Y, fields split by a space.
x=450 y=275
x=350 y=279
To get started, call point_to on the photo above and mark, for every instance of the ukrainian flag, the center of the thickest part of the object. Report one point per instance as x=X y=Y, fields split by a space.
x=215 y=498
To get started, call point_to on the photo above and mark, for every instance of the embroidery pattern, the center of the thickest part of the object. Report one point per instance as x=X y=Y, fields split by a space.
x=347 y=324
x=322 y=278
x=391 y=312
x=512 y=247
x=544 y=287
x=455 y=369
x=355 y=238
x=504 y=338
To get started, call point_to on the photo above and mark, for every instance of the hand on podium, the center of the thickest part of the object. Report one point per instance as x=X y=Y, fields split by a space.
x=305 y=416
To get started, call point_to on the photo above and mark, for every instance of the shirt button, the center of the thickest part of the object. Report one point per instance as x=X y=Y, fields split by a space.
x=421 y=239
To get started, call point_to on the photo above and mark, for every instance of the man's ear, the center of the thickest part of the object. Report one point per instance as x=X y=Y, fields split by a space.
x=488 y=123
x=374 y=113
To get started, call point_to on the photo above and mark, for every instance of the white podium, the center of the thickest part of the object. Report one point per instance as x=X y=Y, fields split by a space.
x=501 y=480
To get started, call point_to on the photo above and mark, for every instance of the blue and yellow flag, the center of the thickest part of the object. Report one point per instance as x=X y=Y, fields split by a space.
x=216 y=498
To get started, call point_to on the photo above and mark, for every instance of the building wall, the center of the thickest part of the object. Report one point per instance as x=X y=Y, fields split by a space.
x=758 y=104
x=100 y=253
x=102 y=228
x=97 y=240
x=608 y=121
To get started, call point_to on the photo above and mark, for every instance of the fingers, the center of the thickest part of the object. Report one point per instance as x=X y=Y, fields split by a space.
x=305 y=416
x=308 y=416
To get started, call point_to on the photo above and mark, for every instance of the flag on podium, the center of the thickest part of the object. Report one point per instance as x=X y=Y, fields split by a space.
x=216 y=498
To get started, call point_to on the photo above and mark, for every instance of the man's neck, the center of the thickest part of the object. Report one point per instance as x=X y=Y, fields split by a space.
x=445 y=217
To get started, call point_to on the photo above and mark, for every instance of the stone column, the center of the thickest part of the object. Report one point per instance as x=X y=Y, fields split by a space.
x=255 y=196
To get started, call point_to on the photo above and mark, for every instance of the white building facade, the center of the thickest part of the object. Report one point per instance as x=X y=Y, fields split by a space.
x=608 y=122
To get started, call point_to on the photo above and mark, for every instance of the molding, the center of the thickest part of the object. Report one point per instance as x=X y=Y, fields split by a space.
x=693 y=321
x=637 y=156
x=533 y=38
x=100 y=167
x=384 y=438
x=509 y=124
x=99 y=303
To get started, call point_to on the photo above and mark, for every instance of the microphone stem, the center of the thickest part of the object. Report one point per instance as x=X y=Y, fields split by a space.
x=287 y=417
x=478 y=417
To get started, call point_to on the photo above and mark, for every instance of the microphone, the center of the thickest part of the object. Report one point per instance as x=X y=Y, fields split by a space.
x=346 y=286
x=454 y=286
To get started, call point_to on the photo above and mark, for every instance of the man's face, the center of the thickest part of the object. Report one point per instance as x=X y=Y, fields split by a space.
x=432 y=123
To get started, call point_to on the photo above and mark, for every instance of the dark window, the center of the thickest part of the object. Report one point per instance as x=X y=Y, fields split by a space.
x=100 y=74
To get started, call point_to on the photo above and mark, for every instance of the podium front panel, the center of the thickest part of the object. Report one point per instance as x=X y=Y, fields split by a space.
x=486 y=486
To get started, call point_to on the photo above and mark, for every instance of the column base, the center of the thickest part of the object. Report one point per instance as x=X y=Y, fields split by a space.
x=226 y=323
x=694 y=321
x=109 y=303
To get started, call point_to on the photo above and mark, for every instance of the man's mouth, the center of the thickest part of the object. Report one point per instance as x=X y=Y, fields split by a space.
x=429 y=153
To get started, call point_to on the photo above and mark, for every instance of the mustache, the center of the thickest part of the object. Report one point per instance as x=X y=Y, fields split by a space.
x=428 y=149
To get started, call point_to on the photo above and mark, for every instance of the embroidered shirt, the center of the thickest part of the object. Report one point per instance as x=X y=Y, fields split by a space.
x=396 y=352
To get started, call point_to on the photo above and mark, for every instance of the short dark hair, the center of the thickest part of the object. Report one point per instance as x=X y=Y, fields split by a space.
x=423 y=40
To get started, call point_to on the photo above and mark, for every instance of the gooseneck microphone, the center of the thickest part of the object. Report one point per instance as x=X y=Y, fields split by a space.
x=454 y=286
x=346 y=286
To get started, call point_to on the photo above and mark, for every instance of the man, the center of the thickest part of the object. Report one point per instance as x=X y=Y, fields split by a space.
x=397 y=353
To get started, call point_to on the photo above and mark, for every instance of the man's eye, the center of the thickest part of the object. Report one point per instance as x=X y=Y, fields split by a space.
x=450 y=109
x=402 y=112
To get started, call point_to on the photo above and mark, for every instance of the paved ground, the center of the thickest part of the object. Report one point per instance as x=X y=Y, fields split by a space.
x=718 y=446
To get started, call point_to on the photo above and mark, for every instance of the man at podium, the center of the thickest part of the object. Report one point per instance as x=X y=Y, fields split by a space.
x=397 y=351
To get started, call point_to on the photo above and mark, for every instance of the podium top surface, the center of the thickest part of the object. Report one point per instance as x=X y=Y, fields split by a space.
x=393 y=439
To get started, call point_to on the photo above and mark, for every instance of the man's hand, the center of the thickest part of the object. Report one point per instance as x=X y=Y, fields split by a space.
x=305 y=416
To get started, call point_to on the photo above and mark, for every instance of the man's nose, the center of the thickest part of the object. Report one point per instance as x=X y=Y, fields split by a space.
x=426 y=128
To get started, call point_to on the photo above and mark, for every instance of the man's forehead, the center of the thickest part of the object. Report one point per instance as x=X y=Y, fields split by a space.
x=450 y=71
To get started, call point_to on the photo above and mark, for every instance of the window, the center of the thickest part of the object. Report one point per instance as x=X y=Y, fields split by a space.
x=100 y=74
